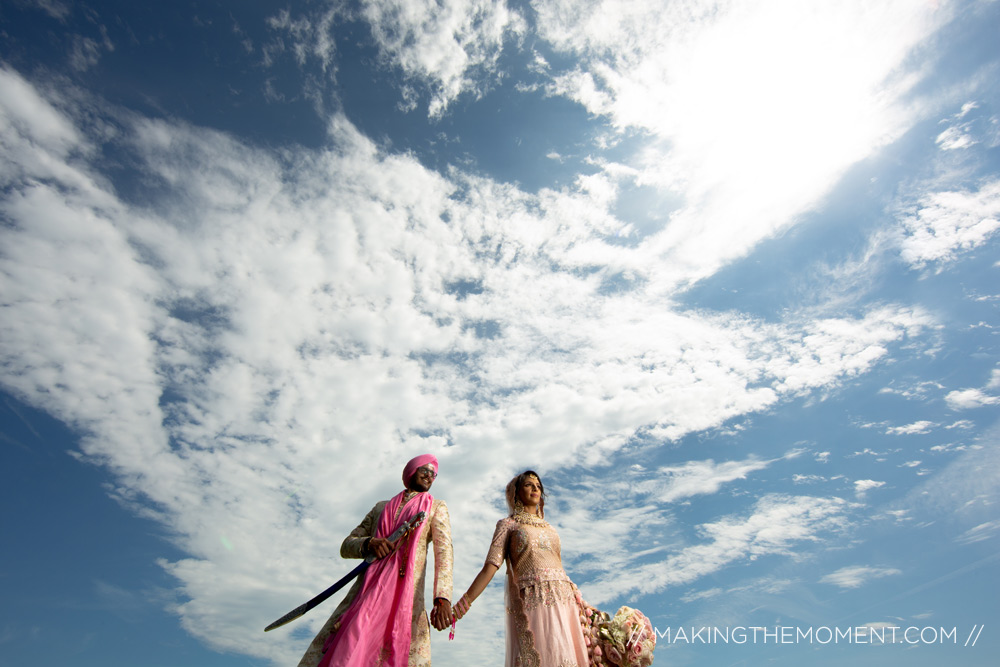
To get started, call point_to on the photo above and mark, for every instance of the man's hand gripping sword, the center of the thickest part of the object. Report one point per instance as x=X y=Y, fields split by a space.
x=395 y=540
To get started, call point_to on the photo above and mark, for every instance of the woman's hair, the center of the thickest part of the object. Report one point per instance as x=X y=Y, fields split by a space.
x=515 y=485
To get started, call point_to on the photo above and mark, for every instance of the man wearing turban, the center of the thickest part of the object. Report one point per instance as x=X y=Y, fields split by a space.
x=382 y=621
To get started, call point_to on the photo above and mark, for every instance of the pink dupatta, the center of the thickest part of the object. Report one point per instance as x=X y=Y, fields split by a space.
x=375 y=629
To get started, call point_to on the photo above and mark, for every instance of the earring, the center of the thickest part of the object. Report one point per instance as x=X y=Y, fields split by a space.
x=518 y=506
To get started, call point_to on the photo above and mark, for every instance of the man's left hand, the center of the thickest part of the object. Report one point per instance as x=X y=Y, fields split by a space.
x=441 y=615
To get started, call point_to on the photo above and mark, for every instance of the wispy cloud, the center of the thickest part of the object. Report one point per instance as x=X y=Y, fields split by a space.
x=674 y=73
x=968 y=399
x=452 y=46
x=916 y=428
x=54 y=8
x=310 y=38
x=920 y=390
x=957 y=135
x=224 y=405
x=857 y=576
x=702 y=477
x=777 y=525
x=863 y=486
x=980 y=532
x=678 y=72
x=443 y=49
x=944 y=224
x=266 y=322
x=963 y=493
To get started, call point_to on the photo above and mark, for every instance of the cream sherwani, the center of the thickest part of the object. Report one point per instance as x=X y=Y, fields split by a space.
x=436 y=529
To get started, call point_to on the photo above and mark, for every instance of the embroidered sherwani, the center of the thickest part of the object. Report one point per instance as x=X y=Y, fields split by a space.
x=543 y=605
x=436 y=529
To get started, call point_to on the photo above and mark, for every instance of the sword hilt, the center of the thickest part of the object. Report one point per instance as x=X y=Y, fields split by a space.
x=397 y=536
x=414 y=522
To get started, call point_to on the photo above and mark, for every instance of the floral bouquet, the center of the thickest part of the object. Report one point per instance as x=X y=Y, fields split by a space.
x=624 y=640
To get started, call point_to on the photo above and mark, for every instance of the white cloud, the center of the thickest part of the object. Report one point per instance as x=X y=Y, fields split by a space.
x=958 y=135
x=807 y=479
x=54 y=8
x=916 y=428
x=980 y=533
x=955 y=137
x=863 y=486
x=452 y=45
x=678 y=73
x=778 y=525
x=945 y=223
x=86 y=52
x=702 y=477
x=755 y=108
x=918 y=390
x=963 y=495
x=994 y=382
x=267 y=323
x=951 y=446
x=754 y=589
x=671 y=484
x=447 y=48
x=857 y=576
x=30 y=120
x=968 y=399
x=310 y=38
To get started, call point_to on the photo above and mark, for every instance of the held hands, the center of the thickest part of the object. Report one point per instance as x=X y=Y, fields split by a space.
x=441 y=615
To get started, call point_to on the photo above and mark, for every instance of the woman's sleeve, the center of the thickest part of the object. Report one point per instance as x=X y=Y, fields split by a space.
x=495 y=555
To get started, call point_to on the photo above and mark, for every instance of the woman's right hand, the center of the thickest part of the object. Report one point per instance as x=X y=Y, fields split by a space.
x=461 y=608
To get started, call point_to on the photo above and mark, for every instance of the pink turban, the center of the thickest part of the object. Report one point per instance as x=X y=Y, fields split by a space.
x=418 y=462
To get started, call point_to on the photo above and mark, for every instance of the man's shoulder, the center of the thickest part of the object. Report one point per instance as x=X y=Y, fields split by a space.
x=377 y=509
x=439 y=505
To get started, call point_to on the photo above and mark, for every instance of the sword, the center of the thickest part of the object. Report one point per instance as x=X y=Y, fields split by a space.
x=301 y=610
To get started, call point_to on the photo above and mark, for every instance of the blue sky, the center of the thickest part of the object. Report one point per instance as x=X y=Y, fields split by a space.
x=724 y=273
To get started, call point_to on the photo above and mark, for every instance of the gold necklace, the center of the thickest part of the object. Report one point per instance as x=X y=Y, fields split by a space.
x=522 y=516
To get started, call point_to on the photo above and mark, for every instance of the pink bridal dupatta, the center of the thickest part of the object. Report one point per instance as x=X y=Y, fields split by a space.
x=375 y=629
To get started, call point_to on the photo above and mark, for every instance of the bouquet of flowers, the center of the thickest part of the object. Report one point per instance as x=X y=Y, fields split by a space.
x=626 y=639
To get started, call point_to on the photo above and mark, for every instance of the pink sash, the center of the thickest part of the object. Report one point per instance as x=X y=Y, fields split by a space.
x=375 y=629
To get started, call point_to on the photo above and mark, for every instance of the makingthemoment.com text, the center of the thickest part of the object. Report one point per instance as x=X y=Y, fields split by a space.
x=865 y=634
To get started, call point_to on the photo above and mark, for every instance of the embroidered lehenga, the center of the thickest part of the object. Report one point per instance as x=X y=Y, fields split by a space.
x=543 y=605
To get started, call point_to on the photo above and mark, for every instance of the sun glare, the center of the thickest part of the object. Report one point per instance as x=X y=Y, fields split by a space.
x=777 y=97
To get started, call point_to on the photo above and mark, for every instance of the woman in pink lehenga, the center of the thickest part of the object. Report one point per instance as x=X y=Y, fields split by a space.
x=545 y=614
